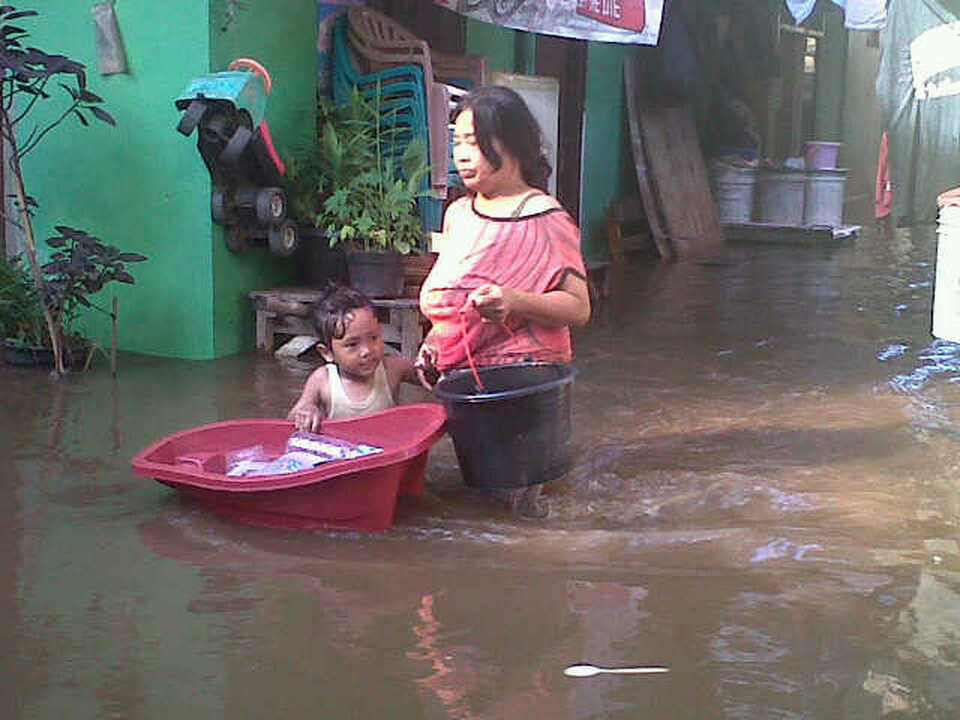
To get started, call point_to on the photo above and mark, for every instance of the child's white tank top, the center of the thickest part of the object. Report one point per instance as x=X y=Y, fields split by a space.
x=342 y=406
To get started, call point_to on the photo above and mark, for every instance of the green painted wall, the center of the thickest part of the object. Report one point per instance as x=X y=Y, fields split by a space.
x=282 y=34
x=607 y=161
x=496 y=42
x=143 y=187
x=138 y=185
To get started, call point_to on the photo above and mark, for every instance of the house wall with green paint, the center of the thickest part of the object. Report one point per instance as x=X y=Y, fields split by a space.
x=607 y=160
x=496 y=42
x=143 y=187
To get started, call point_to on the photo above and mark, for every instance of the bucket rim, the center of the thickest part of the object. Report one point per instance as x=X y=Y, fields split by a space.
x=570 y=373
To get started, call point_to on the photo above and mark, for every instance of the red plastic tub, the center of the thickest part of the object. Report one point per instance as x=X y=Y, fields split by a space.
x=356 y=494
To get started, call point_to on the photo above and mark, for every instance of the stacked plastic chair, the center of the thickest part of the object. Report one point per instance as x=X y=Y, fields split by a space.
x=382 y=44
x=399 y=93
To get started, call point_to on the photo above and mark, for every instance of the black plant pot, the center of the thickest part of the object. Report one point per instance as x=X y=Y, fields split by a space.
x=376 y=274
x=16 y=354
x=317 y=261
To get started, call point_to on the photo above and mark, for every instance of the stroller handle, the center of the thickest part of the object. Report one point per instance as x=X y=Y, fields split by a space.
x=259 y=69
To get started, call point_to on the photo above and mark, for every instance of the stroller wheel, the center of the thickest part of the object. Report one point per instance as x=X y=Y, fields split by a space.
x=271 y=205
x=236 y=238
x=218 y=205
x=283 y=239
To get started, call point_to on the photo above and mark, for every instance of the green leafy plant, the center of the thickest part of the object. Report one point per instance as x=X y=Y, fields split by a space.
x=354 y=185
x=80 y=266
x=21 y=312
x=30 y=77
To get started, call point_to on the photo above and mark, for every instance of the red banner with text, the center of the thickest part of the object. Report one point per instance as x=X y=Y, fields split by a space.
x=620 y=21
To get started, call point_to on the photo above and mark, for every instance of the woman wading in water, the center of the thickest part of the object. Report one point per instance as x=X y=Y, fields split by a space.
x=509 y=280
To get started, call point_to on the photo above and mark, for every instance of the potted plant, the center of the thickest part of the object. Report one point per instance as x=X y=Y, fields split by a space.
x=22 y=325
x=80 y=266
x=359 y=186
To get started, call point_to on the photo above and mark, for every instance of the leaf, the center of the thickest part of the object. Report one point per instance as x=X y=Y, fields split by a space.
x=102 y=115
x=56 y=242
x=81 y=117
x=132 y=257
x=73 y=91
x=69 y=232
x=124 y=277
x=20 y=14
x=52 y=268
x=89 y=97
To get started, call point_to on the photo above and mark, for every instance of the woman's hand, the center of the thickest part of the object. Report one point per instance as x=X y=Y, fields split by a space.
x=426 y=367
x=493 y=302
x=306 y=417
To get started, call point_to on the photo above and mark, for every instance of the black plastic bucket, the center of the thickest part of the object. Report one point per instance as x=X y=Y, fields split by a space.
x=516 y=431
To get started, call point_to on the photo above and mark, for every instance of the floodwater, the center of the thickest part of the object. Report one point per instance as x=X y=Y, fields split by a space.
x=765 y=500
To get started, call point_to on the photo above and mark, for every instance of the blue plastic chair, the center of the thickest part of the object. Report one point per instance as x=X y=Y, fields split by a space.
x=400 y=96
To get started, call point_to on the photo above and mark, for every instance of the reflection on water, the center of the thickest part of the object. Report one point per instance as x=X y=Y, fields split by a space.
x=763 y=500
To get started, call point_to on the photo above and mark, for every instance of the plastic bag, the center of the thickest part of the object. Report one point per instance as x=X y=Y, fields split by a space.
x=304 y=450
x=329 y=448
x=110 y=54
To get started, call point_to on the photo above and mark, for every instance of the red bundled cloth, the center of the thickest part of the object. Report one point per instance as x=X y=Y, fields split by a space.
x=884 y=196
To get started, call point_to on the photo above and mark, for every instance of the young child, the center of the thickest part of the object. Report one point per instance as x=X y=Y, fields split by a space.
x=358 y=377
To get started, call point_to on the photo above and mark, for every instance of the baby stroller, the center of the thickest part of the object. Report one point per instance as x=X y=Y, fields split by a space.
x=227 y=109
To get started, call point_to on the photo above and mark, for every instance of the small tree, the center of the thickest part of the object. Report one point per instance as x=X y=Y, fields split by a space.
x=27 y=79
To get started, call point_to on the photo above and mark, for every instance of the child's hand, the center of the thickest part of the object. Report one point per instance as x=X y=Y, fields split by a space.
x=426 y=367
x=306 y=417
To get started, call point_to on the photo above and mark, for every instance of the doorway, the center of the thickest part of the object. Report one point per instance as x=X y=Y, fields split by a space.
x=566 y=60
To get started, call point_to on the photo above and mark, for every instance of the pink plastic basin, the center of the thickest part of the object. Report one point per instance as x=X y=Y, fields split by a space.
x=356 y=494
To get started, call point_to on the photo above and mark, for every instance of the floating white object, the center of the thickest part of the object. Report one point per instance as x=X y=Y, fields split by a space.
x=296 y=347
x=583 y=670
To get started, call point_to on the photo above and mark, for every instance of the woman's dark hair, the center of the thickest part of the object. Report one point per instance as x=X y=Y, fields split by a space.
x=500 y=113
x=332 y=310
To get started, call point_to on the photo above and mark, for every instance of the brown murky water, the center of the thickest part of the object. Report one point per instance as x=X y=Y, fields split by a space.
x=764 y=500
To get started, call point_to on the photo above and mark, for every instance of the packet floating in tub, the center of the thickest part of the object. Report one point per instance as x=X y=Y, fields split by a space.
x=327 y=448
x=287 y=463
x=254 y=461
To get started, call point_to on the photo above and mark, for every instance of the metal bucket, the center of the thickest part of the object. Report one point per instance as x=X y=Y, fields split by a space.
x=780 y=196
x=733 y=191
x=823 y=197
x=946 y=290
